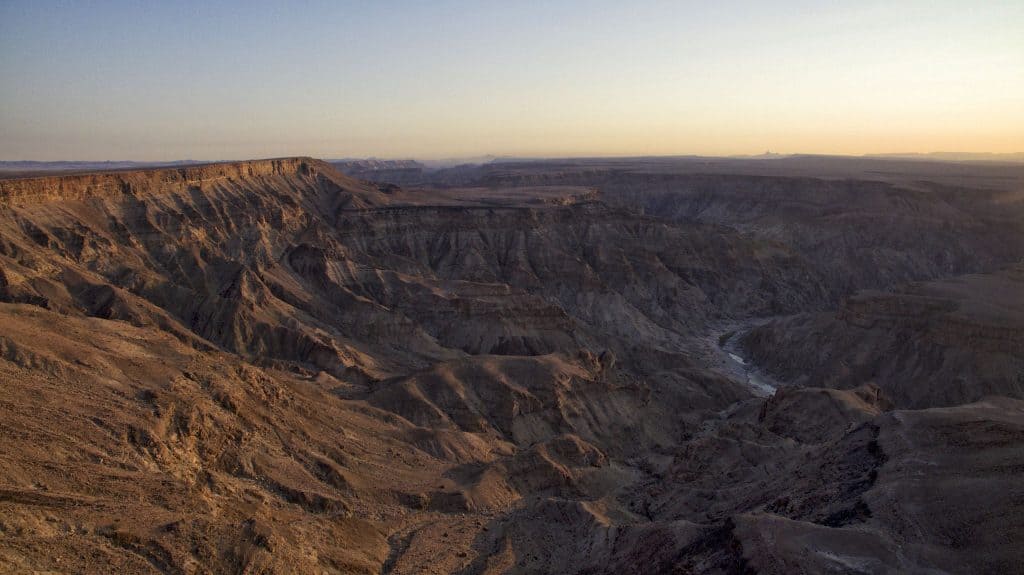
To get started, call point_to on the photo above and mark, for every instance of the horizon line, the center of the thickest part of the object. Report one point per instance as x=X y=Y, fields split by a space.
x=767 y=155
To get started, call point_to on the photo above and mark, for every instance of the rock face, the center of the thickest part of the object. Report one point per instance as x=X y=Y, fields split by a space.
x=270 y=367
x=851 y=233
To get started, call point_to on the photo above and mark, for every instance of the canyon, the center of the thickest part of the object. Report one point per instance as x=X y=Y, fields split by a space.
x=636 y=365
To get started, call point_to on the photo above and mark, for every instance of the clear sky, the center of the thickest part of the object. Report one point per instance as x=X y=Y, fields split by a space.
x=148 y=80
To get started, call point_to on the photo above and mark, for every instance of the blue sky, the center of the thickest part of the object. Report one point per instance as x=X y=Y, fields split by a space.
x=222 y=80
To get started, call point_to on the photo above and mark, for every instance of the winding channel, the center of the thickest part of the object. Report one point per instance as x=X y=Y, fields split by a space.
x=727 y=342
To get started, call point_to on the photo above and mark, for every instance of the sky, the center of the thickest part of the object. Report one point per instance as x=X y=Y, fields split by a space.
x=156 y=80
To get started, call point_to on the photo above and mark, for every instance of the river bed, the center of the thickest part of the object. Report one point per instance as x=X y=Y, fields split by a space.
x=760 y=383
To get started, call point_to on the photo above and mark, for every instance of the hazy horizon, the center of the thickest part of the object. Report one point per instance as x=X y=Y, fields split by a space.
x=937 y=156
x=95 y=81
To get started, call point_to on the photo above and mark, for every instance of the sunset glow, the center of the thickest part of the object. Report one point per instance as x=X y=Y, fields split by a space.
x=130 y=80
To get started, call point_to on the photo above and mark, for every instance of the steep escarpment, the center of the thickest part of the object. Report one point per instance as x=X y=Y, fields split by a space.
x=153 y=182
x=855 y=234
x=182 y=248
x=855 y=225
